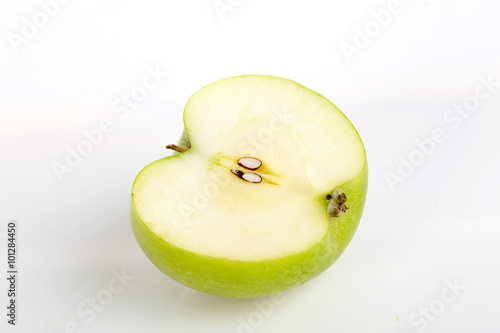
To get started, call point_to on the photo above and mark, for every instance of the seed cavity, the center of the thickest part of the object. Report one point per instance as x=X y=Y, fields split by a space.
x=249 y=163
x=251 y=177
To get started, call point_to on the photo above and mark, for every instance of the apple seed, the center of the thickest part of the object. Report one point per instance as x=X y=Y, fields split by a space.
x=252 y=177
x=249 y=177
x=250 y=163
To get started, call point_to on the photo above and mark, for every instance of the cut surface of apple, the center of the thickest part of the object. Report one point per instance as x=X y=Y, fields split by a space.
x=264 y=174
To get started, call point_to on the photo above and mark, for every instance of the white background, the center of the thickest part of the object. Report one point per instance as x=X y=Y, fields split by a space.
x=441 y=224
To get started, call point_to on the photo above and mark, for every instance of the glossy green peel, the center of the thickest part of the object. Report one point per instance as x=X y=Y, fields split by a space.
x=230 y=271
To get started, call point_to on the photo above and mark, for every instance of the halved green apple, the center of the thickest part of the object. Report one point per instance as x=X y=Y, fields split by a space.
x=265 y=190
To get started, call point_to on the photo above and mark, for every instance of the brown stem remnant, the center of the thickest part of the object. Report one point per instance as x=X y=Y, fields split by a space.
x=336 y=206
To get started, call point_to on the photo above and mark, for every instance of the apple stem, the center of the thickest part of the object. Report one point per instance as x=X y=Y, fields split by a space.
x=177 y=148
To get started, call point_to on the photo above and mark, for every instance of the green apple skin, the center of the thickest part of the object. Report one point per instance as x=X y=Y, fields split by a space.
x=251 y=279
